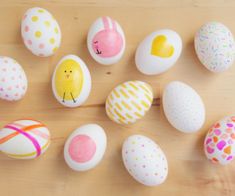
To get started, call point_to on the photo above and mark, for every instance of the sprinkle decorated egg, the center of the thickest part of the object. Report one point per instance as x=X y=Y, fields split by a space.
x=40 y=32
x=129 y=102
x=219 y=144
x=106 y=41
x=13 y=81
x=71 y=81
x=24 y=139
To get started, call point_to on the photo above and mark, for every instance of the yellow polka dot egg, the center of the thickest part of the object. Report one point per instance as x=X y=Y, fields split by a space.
x=129 y=102
x=40 y=32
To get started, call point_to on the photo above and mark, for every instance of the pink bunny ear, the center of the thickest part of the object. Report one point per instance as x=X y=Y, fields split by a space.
x=114 y=25
x=106 y=22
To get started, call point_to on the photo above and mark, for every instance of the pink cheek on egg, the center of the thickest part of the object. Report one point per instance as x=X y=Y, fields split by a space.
x=82 y=148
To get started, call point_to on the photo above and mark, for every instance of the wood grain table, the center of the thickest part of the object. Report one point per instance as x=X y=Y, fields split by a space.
x=189 y=171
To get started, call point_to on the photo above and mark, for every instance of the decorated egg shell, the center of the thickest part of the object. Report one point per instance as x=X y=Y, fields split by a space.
x=24 y=139
x=219 y=145
x=158 y=52
x=85 y=147
x=215 y=46
x=40 y=32
x=106 y=41
x=183 y=107
x=144 y=160
x=13 y=81
x=129 y=102
x=71 y=81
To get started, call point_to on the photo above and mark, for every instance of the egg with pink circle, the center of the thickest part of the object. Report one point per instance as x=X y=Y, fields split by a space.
x=13 y=80
x=106 y=41
x=85 y=147
x=40 y=32
x=219 y=144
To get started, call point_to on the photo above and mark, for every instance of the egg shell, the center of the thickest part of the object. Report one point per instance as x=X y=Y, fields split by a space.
x=129 y=102
x=71 y=81
x=85 y=147
x=215 y=46
x=24 y=139
x=158 y=52
x=144 y=160
x=13 y=81
x=219 y=144
x=40 y=32
x=183 y=107
x=106 y=41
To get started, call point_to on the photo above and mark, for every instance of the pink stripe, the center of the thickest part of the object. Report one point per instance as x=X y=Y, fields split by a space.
x=106 y=22
x=32 y=139
x=114 y=25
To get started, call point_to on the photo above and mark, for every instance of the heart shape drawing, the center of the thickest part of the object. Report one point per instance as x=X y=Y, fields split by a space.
x=161 y=48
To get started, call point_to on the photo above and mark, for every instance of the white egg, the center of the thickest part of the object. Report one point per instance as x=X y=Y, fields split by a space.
x=13 y=81
x=40 y=32
x=129 y=102
x=144 y=160
x=158 y=52
x=24 y=139
x=71 y=81
x=215 y=46
x=183 y=107
x=85 y=147
x=106 y=41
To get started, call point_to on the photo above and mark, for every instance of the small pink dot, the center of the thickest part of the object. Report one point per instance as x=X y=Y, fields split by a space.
x=3 y=80
x=4 y=69
x=16 y=94
x=6 y=95
x=17 y=86
x=9 y=88
x=142 y=145
x=1 y=89
x=25 y=16
x=29 y=42
x=26 y=28
x=41 y=46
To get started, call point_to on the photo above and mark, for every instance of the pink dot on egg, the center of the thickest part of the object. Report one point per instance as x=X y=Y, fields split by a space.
x=82 y=148
x=29 y=42
x=26 y=28
x=41 y=46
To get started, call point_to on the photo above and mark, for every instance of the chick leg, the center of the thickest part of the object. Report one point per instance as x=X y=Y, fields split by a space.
x=73 y=98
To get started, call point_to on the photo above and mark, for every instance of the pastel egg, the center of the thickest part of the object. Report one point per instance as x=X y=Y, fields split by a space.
x=71 y=81
x=85 y=147
x=13 y=81
x=40 y=32
x=106 y=41
x=129 y=102
x=219 y=144
x=24 y=139
x=144 y=160
x=215 y=46
x=158 y=52
x=183 y=107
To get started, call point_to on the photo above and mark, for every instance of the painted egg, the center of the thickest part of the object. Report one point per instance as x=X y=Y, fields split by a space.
x=106 y=41
x=13 y=81
x=40 y=32
x=183 y=107
x=129 y=102
x=219 y=144
x=24 y=139
x=144 y=160
x=71 y=81
x=158 y=52
x=85 y=147
x=215 y=46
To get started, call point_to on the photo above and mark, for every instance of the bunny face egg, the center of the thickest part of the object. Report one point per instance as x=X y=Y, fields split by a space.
x=106 y=41
x=24 y=139
x=71 y=81
x=40 y=32
x=215 y=46
x=144 y=160
x=129 y=102
x=85 y=147
x=219 y=144
x=183 y=107
x=13 y=81
x=158 y=52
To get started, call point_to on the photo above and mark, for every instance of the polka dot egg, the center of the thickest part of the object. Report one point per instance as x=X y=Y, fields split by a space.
x=13 y=81
x=219 y=145
x=40 y=32
x=144 y=160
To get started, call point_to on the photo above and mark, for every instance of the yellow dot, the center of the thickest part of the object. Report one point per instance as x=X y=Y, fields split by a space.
x=34 y=18
x=52 y=40
x=40 y=11
x=55 y=49
x=133 y=142
x=47 y=23
x=56 y=30
x=38 y=34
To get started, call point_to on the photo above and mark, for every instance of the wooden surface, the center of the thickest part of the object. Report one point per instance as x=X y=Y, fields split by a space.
x=189 y=171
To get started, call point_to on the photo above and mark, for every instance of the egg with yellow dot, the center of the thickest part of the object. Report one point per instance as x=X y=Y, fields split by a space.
x=40 y=32
x=129 y=102
x=71 y=81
